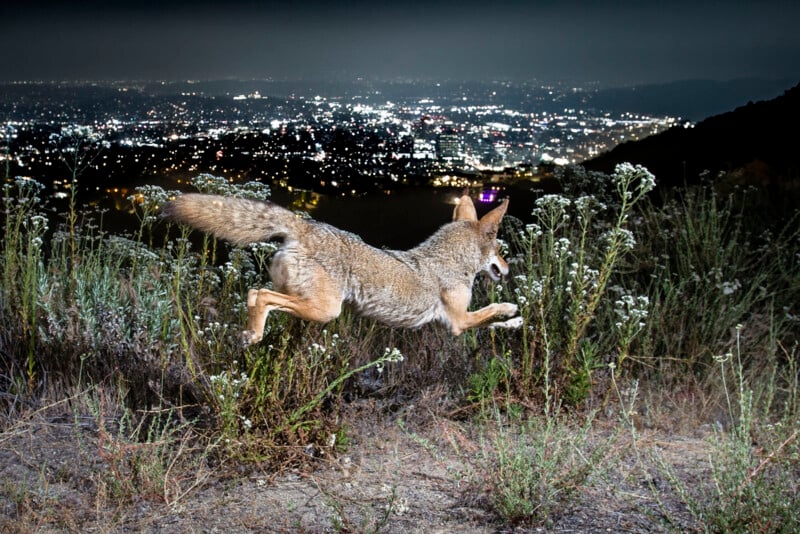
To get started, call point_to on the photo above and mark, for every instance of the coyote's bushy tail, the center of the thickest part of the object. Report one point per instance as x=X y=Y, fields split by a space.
x=237 y=220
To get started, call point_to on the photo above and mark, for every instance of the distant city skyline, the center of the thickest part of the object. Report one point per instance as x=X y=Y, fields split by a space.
x=623 y=43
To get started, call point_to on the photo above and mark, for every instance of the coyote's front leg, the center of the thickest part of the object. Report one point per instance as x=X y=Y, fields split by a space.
x=456 y=303
x=508 y=324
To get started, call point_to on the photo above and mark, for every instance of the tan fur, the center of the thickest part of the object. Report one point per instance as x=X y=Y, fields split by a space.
x=318 y=267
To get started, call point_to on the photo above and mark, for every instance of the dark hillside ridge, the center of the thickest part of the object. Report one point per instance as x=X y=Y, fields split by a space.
x=763 y=134
x=692 y=100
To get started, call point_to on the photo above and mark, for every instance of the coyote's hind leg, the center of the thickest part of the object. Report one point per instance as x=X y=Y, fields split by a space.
x=258 y=307
x=323 y=307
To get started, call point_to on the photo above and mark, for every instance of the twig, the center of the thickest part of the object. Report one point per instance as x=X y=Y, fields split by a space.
x=766 y=460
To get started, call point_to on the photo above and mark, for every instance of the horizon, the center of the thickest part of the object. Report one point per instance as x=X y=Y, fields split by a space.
x=630 y=43
x=358 y=79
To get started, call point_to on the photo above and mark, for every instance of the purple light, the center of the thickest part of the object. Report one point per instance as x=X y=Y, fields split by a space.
x=488 y=195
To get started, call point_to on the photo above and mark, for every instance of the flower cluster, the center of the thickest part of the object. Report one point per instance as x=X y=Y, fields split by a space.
x=318 y=351
x=528 y=289
x=621 y=237
x=151 y=197
x=729 y=288
x=627 y=176
x=228 y=386
x=217 y=185
x=631 y=311
x=389 y=355
x=587 y=206
x=551 y=210
x=25 y=196
x=532 y=232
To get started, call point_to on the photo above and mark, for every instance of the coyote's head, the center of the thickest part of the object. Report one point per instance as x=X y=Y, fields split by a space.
x=494 y=265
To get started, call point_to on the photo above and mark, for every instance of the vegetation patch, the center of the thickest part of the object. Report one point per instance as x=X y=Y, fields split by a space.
x=634 y=306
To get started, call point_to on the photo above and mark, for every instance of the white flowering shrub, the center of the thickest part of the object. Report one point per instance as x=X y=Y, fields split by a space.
x=567 y=257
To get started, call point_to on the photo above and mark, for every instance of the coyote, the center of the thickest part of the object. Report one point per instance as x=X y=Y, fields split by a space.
x=318 y=267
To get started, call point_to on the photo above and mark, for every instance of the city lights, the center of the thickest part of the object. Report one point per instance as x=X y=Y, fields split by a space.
x=334 y=144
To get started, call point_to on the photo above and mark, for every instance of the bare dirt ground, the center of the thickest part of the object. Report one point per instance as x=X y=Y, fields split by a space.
x=401 y=473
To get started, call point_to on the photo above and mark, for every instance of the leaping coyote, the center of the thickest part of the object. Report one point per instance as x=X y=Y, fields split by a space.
x=319 y=267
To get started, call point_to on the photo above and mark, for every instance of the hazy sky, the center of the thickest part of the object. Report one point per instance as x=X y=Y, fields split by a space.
x=621 y=42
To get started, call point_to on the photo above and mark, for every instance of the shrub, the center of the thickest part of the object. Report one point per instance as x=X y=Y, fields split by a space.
x=706 y=269
x=564 y=263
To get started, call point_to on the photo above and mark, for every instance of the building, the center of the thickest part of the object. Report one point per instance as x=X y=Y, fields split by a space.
x=448 y=147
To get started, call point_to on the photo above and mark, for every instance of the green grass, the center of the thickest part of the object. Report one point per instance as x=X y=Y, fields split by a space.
x=614 y=289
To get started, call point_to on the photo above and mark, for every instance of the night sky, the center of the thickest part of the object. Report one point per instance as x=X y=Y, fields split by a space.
x=614 y=43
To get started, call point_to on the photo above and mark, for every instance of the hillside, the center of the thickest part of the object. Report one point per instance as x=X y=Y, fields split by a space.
x=760 y=135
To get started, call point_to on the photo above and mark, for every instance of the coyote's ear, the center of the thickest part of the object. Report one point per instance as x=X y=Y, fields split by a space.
x=465 y=210
x=491 y=221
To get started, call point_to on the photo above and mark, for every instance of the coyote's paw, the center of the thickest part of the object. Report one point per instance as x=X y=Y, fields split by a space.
x=249 y=337
x=513 y=323
x=506 y=309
